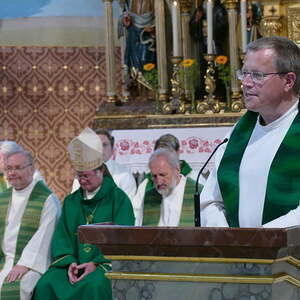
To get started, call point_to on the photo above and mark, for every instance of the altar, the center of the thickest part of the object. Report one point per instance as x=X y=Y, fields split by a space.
x=199 y=263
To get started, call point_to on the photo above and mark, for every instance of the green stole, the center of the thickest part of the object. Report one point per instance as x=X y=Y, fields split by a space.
x=3 y=185
x=185 y=169
x=29 y=225
x=152 y=202
x=283 y=186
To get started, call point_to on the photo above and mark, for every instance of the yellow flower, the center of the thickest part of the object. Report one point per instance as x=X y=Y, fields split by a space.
x=149 y=67
x=221 y=59
x=188 y=62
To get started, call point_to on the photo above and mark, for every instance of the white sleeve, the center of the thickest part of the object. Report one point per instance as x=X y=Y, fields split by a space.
x=138 y=203
x=211 y=201
x=128 y=184
x=292 y=218
x=194 y=174
x=76 y=185
x=36 y=254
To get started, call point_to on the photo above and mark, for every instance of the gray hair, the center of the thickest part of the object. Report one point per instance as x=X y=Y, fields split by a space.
x=7 y=147
x=170 y=156
x=287 y=57
x=27 y=154
x=168 y=141
x=107 y=133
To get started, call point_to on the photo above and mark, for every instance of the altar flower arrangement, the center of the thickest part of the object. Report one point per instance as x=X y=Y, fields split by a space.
x=223 y=68
x=150 y=74
x=186 y=63
x=189 y=75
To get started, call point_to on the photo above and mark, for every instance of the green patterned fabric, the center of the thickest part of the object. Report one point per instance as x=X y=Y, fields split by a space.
x=4 y=201
x=29 y=225
x=185 y=169
x=10 y=291
x=153 y=199
x=110 y=204
x=283 y=187
x=3 y=184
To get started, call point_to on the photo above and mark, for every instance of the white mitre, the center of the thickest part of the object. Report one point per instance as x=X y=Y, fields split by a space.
x=86 y=151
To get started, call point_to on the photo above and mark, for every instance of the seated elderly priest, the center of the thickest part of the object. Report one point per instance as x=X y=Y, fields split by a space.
x=28 y=215
x=78 y=270
x=170 y=201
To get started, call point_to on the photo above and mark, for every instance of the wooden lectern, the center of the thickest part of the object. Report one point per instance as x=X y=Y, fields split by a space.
x=162 y=263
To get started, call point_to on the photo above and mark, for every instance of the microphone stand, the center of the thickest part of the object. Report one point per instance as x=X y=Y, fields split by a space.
x=197 y=194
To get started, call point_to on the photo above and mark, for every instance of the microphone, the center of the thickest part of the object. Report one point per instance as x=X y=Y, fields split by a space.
x=197 y=194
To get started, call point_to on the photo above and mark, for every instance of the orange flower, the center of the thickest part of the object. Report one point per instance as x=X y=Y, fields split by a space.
x=149 y=67
x=221 y=59
x=188 y=62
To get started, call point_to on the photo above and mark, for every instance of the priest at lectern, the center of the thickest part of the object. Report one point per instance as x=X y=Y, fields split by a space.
x=256 y=178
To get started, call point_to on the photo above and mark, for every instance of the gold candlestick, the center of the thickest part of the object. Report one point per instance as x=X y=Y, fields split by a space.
x=177 y=100
x=210 y=102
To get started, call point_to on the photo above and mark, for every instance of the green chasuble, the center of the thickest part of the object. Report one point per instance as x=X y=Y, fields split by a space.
x=152 y=203
x=185 y=169
x=283 y=186
x=3 y=184
x=110 y=204
x=29 y=225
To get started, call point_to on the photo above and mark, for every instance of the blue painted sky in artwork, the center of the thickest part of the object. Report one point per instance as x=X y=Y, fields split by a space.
x=37 y=8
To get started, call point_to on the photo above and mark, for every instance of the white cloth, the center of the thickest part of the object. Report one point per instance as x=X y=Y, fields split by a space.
x=36 y=254
x=121 y=176
x=170 y=210
x=193 y=175
x=254 y=169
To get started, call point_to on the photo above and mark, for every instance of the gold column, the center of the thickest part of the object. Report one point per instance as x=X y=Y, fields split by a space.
x=160 y=25
x=231 y=6
x=125 y=71
x=109 y=52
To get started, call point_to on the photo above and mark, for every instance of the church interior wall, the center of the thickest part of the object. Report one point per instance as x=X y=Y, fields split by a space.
x=52 y=79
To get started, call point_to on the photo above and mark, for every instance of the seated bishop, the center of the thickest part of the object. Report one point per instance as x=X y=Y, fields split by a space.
x=78 y=270
x=121 y=175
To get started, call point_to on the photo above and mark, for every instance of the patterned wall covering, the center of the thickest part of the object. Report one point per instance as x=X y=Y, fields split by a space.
x=48 y=95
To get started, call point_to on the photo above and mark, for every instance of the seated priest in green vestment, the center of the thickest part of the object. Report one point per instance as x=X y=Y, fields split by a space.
x=28 y=215
x=78 y=270
x=7 y=147
x=3 y=184
x=170 y=200
x=170 y=142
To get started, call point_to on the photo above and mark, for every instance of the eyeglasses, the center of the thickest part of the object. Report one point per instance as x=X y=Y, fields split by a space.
x=16 y=169
x=257 y=77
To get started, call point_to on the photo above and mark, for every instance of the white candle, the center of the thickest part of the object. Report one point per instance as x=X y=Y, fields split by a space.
x=209 y=17
x=175 y=24
x=243 y=8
